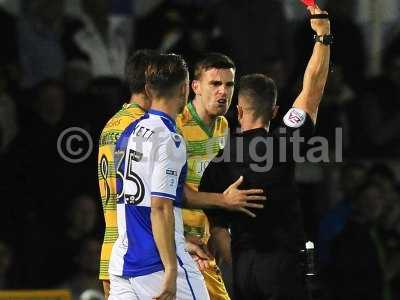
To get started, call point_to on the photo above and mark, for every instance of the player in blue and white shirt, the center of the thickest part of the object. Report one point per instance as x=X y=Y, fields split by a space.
x=149 y=260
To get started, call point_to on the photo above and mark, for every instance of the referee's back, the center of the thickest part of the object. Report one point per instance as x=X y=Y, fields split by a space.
x=266 y=160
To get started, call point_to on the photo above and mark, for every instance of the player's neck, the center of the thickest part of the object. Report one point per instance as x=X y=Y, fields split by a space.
x=202 y=112
x=168 y=108
x=249 y=124
x=141 y=100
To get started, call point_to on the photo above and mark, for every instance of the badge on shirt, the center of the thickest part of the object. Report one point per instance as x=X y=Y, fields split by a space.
x=294 y=118
x=177 y=139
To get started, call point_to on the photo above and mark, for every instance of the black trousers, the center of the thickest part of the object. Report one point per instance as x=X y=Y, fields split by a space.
x=275 y=275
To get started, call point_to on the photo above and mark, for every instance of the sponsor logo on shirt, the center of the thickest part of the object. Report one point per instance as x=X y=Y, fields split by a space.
x=171 y=172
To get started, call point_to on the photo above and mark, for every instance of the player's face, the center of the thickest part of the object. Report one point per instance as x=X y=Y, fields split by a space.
x=215 y=89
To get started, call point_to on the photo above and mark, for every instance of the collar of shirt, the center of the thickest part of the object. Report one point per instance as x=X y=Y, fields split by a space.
x=162 y=115
x=255 y=131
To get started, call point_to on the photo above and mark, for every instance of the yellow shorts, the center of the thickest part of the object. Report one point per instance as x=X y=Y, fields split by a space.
x=214 y=282
x=196 y=224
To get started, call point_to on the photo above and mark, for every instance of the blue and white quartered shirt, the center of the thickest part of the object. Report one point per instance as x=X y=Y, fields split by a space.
x=150 y=160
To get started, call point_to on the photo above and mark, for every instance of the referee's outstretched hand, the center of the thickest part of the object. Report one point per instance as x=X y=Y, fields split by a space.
x=319 y=20
x=240 y=200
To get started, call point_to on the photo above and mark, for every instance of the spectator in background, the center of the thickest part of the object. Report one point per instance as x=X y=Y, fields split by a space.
x=385 y=177
x=43 y=37
x=77 y=76
x=85 y=274
x=82 y=219
x=107 y=95
x=8 y=114
x=43 y=119
x=255 y=30
x=255 y=33
x=105 y=49
x=339 y=99
x=392 y=50
x=390 y=233
x=163 y=28
x=6 y=263
x=81 y=223
x=42 y=179
x=357 y=252
x=332 y=223
x=49 y=105
x=389 y=225
x=9 y=49
x=376 y=126
x=186 y=29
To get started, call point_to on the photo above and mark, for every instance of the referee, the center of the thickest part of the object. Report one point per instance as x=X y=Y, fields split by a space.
x=264 y=251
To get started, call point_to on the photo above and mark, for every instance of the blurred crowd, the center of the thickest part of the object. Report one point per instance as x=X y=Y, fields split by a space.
x=59 y=70
x=358 y=239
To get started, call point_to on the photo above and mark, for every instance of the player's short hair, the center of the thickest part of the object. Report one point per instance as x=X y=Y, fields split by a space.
x=213 y=60
x=164 y=76
x=261 y=92
x=136 y=67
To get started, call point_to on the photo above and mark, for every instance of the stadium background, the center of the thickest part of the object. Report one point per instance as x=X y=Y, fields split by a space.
x=56 y=73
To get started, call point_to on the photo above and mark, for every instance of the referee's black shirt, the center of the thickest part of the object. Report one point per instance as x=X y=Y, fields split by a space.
x=260 y=157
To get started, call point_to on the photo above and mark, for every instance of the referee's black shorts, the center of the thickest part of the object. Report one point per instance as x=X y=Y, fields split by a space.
x=277 y=275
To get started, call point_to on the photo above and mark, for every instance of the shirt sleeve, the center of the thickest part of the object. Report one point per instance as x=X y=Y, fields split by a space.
x=297 y=129
x=297 y=120
x=169 y=165
x=208 y=183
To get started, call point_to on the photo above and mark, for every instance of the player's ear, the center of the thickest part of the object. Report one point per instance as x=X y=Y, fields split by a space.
x=196 y=87
x=240 y=112
x=183 y=90
x=275 y=109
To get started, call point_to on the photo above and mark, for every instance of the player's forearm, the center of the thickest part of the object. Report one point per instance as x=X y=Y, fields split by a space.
x=220 y=243
x=315 y=78
x=316 y=73
x=162 y=222
x=317 y=69
x=195 y=199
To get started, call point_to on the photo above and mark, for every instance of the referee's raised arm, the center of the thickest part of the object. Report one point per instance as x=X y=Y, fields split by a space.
x=317 y=69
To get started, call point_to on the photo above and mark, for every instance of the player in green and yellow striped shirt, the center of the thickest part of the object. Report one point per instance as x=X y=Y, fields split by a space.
x=135 y=69
x=204 y=128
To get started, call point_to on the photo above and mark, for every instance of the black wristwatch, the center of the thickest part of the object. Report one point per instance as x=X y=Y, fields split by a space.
x=326 y=39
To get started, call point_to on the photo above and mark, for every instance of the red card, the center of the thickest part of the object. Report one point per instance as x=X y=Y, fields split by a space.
x=308 y=3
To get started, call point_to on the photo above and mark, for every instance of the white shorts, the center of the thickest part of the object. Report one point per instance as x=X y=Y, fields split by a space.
x=190 y=285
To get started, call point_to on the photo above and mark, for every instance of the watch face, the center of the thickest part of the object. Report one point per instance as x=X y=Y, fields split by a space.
x=328 y=39
x=324 y=39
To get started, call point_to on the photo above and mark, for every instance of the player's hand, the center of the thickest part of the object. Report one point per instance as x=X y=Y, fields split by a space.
x=199 y=252
x=320 y=26
x=240 y=200
x=168 y=291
